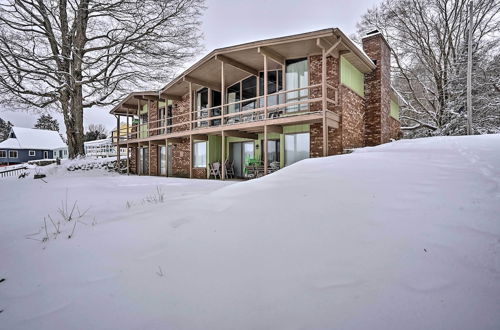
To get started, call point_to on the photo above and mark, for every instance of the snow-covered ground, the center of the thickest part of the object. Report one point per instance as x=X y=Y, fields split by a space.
x=400 y=236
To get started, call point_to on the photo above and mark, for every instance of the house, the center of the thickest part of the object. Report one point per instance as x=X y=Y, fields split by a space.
x=102 y=148
x=122 y=133
x=270 y=102
x=25 y=144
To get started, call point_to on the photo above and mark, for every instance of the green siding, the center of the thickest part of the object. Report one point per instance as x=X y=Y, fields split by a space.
x=214 y=151
x=394 y=110
x=143 y=131
x=352 y=77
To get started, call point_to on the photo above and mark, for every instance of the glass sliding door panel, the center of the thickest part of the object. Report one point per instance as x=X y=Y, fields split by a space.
x=296 y=147
x=273 y=151
x=216 y=102
x=163 y=164
x=143 y=160
x=248 y=151
x=169 y=160
x=233 y=95
x=235 y=156
x=169 y=118
x=274 y=85
x=201 y=105
x=296 y=77
x=249 y=91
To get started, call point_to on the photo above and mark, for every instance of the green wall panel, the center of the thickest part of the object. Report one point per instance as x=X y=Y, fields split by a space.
x=352 y=77
x=394 y=110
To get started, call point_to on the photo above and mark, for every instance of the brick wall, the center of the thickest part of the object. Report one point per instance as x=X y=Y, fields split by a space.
x=133 y=160
x=181 y=108
x=180 y=158
x=153 y=116
x=154 y=160
x=353 y=114
x=316 y=130
x=395 y=129
x=377 y=91
x=199 y=173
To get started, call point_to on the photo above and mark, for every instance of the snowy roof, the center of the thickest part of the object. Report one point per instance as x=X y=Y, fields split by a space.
x=30 y=138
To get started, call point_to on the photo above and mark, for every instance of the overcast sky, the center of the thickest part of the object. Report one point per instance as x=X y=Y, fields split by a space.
x=230 y=22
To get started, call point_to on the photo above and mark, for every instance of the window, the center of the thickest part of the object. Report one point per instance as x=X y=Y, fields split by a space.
x=233 y=95
x=3 y=154
x=216 y=101
x=12 y=153
x=201 y=105
x=45 y=155
x=352 y=77
x=297 y=77
x=296 y=147
x=200 y=154
x=54 y=154
x=31 y=153
x=273 y=151
x=249 y=91
x=143 y=160
x=274 y=84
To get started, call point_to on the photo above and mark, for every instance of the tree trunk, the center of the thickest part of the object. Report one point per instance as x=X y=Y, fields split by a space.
x=73 y=120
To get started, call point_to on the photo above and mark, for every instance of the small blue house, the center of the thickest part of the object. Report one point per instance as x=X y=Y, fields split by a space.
x=25 y=144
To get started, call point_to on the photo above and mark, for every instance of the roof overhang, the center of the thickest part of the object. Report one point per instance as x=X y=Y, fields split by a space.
x=246 y=59
x=133 y=101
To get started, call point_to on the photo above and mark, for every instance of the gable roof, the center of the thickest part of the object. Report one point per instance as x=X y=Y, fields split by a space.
x=30 y=138
x=209 y=66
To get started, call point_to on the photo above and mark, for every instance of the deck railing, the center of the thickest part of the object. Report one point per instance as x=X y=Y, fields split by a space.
x=285 y=103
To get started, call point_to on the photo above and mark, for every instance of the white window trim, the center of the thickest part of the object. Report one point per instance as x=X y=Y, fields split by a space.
x=17 y=154
x=32 y=153
x=5 y=152
x=206 y=155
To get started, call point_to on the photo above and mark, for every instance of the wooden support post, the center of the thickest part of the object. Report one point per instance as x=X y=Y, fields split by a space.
x=190 y=106
x=149 y=158
x=265 y=150
x=265 y=114
x=222 y=93
x=223 y=156
x=190 y=156
x=210 y=104
x=324 y=103
x=265 y=88
x=128 y=161
x=118 y=142
x=127 y=138
x=166 y=157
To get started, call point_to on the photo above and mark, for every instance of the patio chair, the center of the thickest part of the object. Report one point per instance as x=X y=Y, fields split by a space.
x=229 y=168
x=273 y=167
x=215 y=170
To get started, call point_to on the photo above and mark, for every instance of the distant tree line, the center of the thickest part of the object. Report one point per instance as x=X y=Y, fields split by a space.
x=428 y=40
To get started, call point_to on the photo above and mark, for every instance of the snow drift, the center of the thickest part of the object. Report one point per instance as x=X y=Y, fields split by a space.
x=400 y=236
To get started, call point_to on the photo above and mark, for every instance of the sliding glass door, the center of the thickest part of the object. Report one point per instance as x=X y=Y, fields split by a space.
x=144 y=160
x=201 y=106
x=240 y=154
x=297 y=76
x=162 y=163
x=296 y=147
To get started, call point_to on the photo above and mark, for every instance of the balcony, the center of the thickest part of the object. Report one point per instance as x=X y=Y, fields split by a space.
x=287 y=107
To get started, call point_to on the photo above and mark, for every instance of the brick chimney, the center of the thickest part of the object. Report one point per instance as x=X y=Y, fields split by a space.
x=377 y=89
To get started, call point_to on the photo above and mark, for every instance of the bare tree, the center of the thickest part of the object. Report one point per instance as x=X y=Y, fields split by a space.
x=429 y=50
x=70 y=55
x=96 y=132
